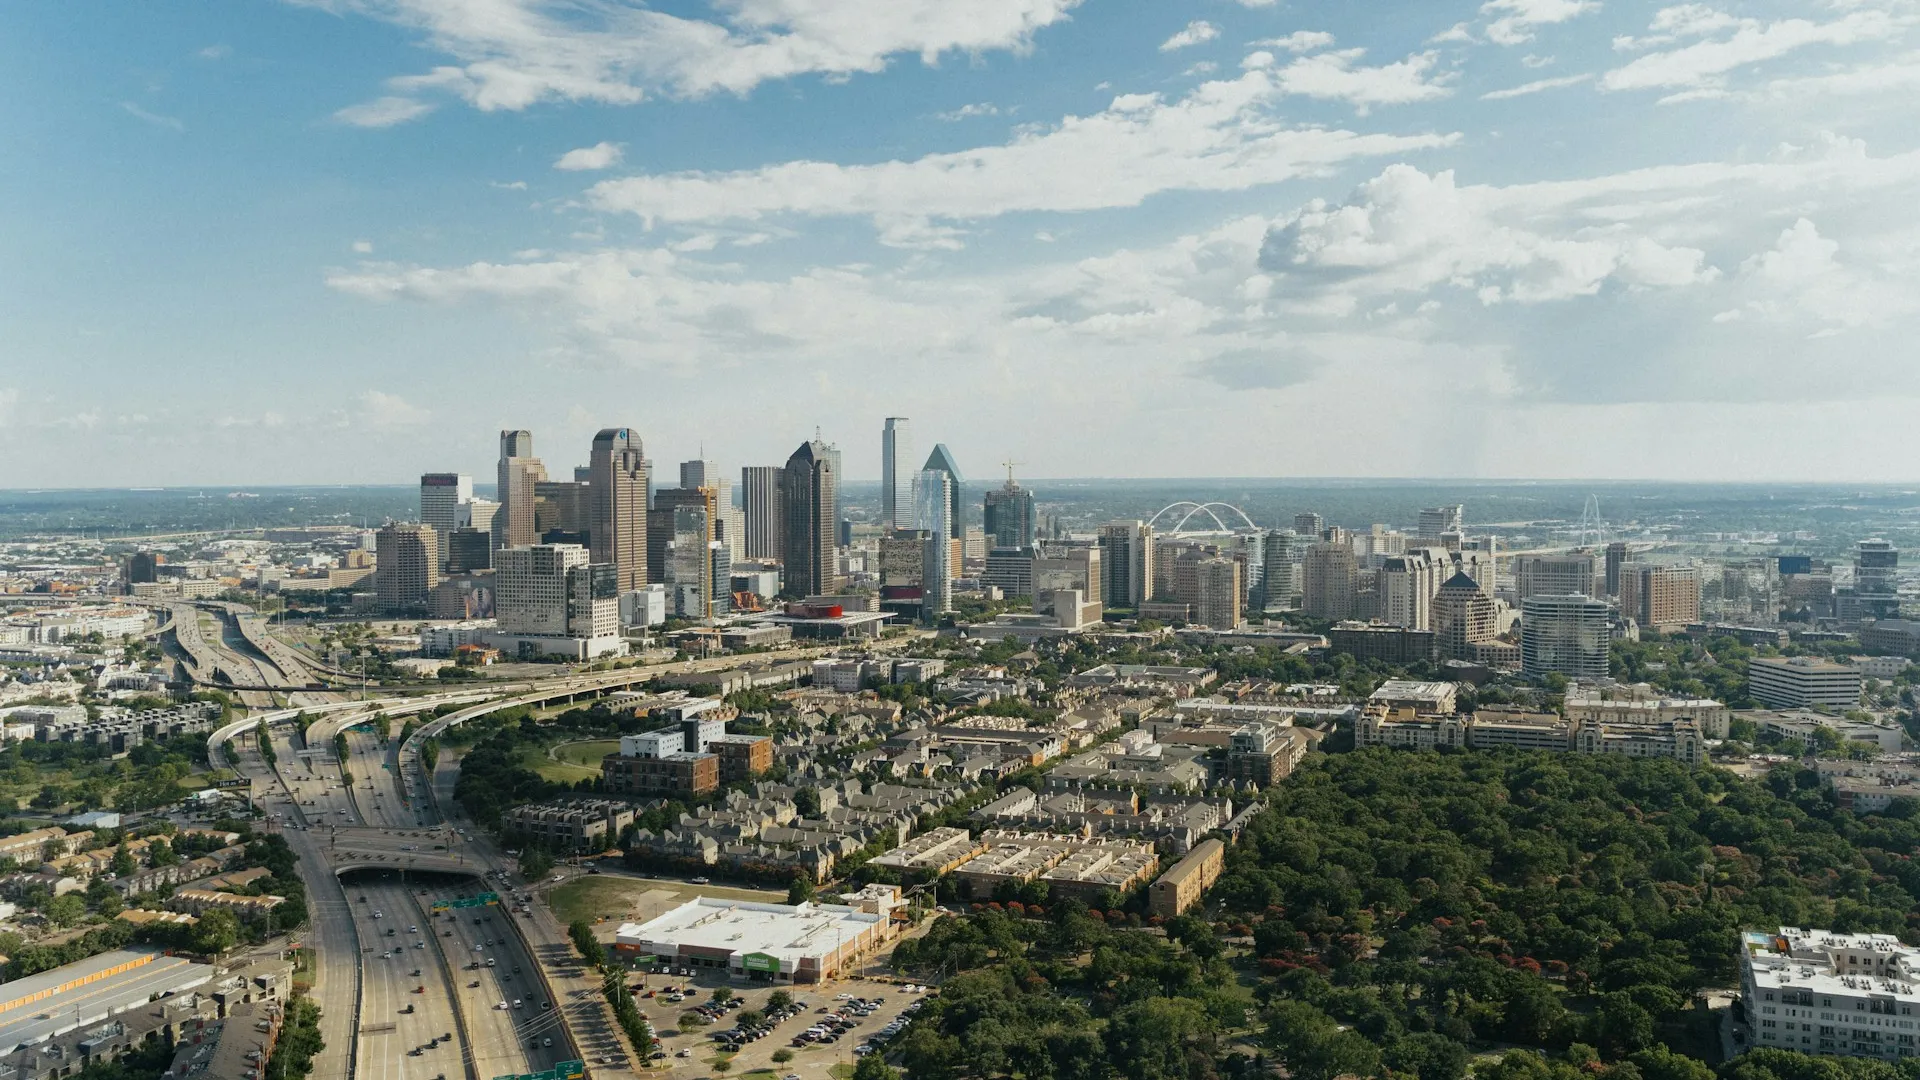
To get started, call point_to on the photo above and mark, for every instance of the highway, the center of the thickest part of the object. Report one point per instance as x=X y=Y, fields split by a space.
x=502 y=1041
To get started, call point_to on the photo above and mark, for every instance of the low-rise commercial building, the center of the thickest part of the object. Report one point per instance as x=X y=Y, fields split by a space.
x=1609 y=702
x=1795 y=682
x=581 y=826
x=780 y=943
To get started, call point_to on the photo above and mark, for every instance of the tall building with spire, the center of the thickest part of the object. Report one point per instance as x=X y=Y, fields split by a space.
x=617 y=496
x=514 y=524
x=810 y=515
x=896 y=474
x=1010 y=516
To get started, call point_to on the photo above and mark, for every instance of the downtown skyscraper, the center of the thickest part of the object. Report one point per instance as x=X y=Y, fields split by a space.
x=514 y=524
x=896 y=474
x=617 y=515
x=809 y=516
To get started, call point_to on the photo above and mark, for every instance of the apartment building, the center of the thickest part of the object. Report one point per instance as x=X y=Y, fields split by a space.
x=1821 y=992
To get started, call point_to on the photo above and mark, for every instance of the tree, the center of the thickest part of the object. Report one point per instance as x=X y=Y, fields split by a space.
x=535 y=864
x=874 y=1067
x=747 y=1018
x=801 y=890
x=123 y=863
x=722 y=995
x=160 y=853
x=779 y=1000
x=807 y=801
x=1429 y=1056
x=53 y=849
x=217 y=931
x=67 y=910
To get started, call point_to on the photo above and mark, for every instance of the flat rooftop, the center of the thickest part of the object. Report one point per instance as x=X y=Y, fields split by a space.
x=740 y=927
x=24 y=1021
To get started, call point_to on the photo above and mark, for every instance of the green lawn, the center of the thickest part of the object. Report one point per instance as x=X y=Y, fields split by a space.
x=587 y=755
x=618 y=898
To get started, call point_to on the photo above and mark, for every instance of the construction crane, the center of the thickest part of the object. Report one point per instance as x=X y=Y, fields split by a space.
x=1009 y=466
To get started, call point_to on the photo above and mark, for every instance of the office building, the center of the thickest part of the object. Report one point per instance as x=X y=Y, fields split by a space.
x=688 y=560
x=1437 y=521
x=1660 y=597
x=1061 y=567
x=1463 y=618
x=1622 y=704
x=1554 y=575
x=617 y=499
x=897 y=475
x=1381 y=641
x=1280 y=583
x=1309 y=525
x=440 y=497
x=476 y=513
x=468 y=549
x=700 y=473
x=1327 y=573
x=810 y=515
x=1126 y=560
x=936 y=575
x=1821 y=992
x=661 y=526
x=1570 y=635
x=1010 y=516
x=1219 y=594
x=515 y=524
x=1616 y=558
x=1510 y=728
x=552 y=599
x=941 y=460
x=563 y=511
x=1875 y=564
x=407 y=561
x=760 y=511
x=1789 y=682
x=1406 y=584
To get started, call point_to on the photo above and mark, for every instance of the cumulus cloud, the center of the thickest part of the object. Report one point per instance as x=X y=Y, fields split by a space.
x=383 y=112
x=601 y=155
x=510 y=54
x=1514 y=21
x=1337 y=76
x=380 y=409
x=1197 y=32
x=363 y=247
x=1406 y=231
x=1535 y=87
x=1221 y=136
x=1751 y=41
x=968 y=112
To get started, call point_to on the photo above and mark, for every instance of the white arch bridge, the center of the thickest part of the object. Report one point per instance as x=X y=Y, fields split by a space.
x=1194 y=509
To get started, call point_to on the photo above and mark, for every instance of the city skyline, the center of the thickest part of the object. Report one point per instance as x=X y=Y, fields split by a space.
x=1578 y=240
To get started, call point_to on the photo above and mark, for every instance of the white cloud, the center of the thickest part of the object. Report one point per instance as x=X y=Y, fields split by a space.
x=967 y=112
x=601 y=155
x=383 y=112
x=215 y=52
x=1751 y=42
x=383 y=410
x=170 y=122
x=1458 y=34
x=1333 y=76
x=1221 y=136
x=1535 y=87
x=508 y=185
x=510 y=54
x=1197 y=32
x=363 y=247
x=1514 y=20
x=1803 y=280
x=1533 y=61
x=1299 y=41
x=1407 y=231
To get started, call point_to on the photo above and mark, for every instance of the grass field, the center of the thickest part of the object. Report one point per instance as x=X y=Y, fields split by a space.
x=575 y=761
x=618 y=899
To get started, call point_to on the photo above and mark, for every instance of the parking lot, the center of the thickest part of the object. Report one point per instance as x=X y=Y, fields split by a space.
x=692 y=1053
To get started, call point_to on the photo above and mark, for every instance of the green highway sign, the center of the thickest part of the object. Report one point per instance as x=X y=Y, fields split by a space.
x=570 y=1070
x=485 y=899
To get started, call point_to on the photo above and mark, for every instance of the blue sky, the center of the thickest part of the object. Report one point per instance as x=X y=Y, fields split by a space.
x=348 y=240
